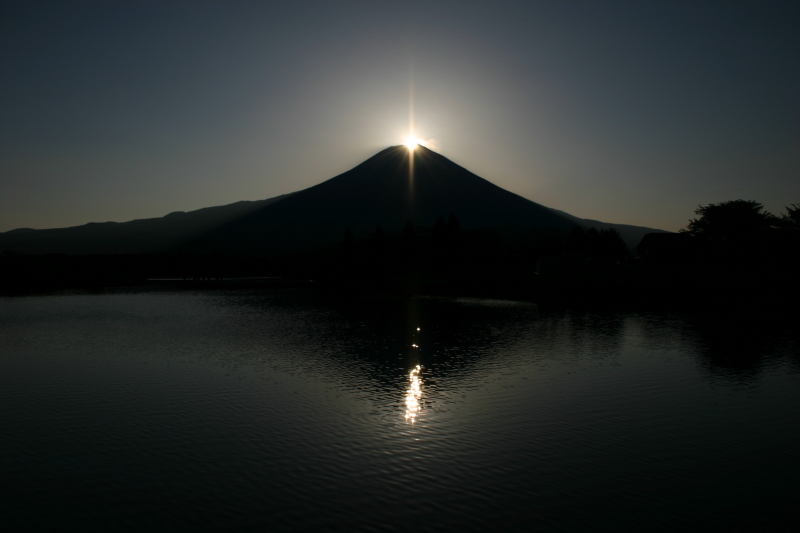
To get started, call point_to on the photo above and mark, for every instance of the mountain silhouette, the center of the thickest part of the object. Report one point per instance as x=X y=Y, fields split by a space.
x=390 y=189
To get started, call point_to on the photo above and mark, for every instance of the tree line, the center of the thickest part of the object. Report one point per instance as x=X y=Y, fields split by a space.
x=737 y=232
x=731 y=251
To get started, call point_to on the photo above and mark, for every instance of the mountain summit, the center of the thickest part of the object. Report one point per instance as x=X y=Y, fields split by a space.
x=398 y=185
x=393 y=187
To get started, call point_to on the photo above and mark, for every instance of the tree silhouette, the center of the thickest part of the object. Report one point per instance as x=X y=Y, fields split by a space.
x=789 y=238
x=576 y=240
x=453 y=226
x=440 y=228
x=592 y=242
x=791 y=219
x=731 y=222
x=611 y=245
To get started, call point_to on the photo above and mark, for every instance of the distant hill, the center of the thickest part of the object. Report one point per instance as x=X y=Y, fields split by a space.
x=148 y=235
x=632 y=235
x=388 y=190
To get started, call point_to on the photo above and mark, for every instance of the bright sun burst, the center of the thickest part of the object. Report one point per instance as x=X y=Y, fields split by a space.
x=411 y=142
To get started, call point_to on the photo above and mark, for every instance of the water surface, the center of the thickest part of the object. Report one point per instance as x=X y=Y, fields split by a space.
x=279 y=411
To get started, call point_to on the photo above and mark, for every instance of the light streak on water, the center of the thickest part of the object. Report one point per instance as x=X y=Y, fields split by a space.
x=413 y=394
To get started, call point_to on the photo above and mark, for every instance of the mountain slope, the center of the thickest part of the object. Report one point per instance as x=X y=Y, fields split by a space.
x=380 y=191
x=632 y=235
x=149 y=235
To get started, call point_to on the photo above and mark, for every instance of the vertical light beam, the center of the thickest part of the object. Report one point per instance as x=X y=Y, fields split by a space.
x=412 y=136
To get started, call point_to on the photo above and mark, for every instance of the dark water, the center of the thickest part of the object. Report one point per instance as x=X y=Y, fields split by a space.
x=275 y=411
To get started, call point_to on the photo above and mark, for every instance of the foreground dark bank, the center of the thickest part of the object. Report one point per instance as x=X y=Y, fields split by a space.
x=711 y=267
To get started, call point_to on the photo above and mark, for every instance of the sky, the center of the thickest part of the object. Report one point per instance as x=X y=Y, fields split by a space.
x=622 y=111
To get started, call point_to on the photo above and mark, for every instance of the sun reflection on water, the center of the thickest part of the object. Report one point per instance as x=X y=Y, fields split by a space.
x=413 y=394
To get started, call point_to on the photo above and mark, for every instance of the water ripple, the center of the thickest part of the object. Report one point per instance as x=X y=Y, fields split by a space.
x=251 y=411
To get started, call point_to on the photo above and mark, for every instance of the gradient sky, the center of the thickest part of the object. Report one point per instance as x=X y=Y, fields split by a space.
x=627 y=112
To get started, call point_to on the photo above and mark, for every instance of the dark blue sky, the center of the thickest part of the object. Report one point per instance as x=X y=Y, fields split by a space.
x=627 y=112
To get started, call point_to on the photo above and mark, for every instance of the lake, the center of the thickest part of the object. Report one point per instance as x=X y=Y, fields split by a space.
x=279 y=410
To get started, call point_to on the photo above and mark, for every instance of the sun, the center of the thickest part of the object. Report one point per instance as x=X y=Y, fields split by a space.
x=411 y=142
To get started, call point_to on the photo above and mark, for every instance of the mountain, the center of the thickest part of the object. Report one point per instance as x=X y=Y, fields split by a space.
x=388 y=190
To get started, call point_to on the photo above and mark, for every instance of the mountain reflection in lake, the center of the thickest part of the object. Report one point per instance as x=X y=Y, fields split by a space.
x=276 y=411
